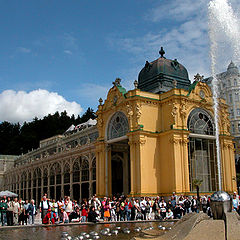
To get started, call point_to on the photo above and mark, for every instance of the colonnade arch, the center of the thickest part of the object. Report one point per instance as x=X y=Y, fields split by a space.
x=75 y=177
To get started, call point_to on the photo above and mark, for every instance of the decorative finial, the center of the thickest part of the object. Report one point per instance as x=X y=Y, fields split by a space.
x=135 y=84
x=117 y=82
x=175 y=83
x=162 y=52
x=100 y=101
x=198 y=77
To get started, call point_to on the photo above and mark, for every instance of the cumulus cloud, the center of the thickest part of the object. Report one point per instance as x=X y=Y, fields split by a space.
x=24 y=106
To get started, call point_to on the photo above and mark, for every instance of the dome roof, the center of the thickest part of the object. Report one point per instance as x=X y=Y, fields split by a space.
x=163 y=72
x=232 y=68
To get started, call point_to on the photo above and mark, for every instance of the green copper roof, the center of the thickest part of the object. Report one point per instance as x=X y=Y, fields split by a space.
x=122 y=90
x=162 y=75
x=191 y=87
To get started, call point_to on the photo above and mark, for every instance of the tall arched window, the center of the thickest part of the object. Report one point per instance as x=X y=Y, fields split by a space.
x=200 y=122
x=94 y=169
x=118 y=126
x=66 y=173
x=202 y=150
x=76 y=171
x=85 y=169
x=45 y=177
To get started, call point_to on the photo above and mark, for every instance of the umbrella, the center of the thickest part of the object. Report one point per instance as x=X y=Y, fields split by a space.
x=8 y=194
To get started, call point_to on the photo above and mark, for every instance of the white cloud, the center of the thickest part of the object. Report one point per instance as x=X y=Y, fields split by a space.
x=68 y=52
x=182 y=29
x=24 y=50
x=24 y=106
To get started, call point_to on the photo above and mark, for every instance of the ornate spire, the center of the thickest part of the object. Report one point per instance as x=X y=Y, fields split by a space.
x=135 y=84
x=162 y=52
x=198 y=77
x=117 y=82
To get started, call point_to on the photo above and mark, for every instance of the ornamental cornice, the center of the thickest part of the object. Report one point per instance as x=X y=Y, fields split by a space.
x=174 y=141
x=180 y=141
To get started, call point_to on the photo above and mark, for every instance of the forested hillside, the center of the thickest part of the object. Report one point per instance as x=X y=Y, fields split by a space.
x=16 y=139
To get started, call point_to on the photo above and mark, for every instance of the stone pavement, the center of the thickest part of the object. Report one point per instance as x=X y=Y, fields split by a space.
x=200 y=227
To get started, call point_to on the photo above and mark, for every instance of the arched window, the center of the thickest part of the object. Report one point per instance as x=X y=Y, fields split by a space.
x=29 y=180
x=24 y=180
x=94 y=169
x=118 y=126
x=45 y=177
x=34 y=179
x=39 y=176
x=58 y=172
x=201 y=122
x=85 y=169
x=76 y=171
x=66 y=171
x=202 y=150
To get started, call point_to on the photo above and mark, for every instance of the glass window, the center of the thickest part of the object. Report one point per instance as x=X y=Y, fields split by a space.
x=85 y=170
x=235 y=82
x=201 y=122
x=66 y=173
x=231 y=113
x=76 y=171
x=202 y=158
x=94 y=169
x=233 y=128
x=238 y=111
x=237 y=97
x=118 y=126
x=230 y=98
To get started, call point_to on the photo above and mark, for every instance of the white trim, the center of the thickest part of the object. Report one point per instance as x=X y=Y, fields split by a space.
x=195 y=135
x=117 y=139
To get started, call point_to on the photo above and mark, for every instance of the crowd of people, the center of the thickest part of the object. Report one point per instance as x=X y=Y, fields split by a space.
x=19 y=212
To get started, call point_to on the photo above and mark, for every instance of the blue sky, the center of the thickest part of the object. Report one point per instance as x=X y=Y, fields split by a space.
x=66 y=54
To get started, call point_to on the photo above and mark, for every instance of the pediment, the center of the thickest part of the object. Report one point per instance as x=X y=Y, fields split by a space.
x=115 y=96
x=201 y=91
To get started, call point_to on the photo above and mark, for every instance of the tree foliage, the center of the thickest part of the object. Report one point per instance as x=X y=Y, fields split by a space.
x=16 y=139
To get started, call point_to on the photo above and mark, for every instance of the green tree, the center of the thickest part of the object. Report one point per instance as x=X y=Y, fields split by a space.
x=196 y=184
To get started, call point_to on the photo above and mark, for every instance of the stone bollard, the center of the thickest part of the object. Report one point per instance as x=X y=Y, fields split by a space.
x=220 y=204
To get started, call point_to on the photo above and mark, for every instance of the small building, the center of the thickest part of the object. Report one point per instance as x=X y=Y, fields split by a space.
x=159 y=137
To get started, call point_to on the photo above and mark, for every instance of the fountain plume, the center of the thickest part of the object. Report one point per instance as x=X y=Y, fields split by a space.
x=221 y=18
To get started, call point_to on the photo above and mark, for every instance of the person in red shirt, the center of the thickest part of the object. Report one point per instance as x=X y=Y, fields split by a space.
x=49 y=218
x=84 y=213
x=128 y=208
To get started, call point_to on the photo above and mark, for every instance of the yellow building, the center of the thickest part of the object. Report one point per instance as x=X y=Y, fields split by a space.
x=159 y=137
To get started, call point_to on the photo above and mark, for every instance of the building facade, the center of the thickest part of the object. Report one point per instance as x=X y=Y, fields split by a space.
x=153 y=140
x=6 y=163
x=229 y=89
x=64 y=165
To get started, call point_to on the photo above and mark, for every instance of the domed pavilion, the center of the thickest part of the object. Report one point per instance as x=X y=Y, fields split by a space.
x=159 y=137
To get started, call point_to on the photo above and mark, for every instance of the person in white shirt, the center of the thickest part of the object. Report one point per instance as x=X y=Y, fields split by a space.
x=143 y=204
x=16 y=211
x=69 y=206
x=44 y=206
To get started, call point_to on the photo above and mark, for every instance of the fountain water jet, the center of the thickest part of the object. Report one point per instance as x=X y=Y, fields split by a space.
x=221 y=17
